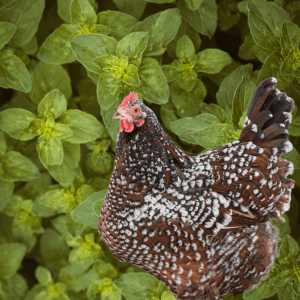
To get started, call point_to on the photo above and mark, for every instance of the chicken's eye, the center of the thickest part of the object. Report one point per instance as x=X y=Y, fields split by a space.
x=135 y=110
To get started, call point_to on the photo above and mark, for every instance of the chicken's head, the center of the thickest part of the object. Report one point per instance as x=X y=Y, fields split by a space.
x=130 y=113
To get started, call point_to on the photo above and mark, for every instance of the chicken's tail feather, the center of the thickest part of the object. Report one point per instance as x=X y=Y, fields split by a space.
x=268 y=118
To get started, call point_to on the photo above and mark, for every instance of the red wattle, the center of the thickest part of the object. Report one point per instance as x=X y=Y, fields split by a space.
x=121 y=125
x=129 y=127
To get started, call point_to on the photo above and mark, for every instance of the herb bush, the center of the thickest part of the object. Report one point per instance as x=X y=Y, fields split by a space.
x=65 y=67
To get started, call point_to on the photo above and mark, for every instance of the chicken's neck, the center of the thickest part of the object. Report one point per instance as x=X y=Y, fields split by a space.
x=147 y=157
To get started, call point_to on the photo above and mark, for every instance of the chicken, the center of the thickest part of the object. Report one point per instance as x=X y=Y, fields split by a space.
x=200 y=223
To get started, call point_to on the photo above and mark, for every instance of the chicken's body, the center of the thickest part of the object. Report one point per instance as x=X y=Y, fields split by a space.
x=199 y=223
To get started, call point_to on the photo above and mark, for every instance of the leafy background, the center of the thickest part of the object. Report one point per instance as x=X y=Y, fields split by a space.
x=65 y=66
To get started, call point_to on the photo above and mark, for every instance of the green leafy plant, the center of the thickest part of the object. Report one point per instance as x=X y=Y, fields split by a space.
x=65 y=67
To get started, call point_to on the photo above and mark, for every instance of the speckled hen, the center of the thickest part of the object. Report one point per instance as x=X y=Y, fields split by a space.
x=200 y=223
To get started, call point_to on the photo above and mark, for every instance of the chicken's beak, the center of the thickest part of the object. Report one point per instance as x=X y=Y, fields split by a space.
x=117 y=115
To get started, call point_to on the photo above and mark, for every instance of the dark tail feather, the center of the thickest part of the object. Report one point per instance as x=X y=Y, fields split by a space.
x=268 y=118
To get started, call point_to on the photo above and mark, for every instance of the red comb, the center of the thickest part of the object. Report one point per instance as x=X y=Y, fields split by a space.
x=131 y=95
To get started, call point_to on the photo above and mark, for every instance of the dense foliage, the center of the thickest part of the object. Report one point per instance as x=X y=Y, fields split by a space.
x=65 y=67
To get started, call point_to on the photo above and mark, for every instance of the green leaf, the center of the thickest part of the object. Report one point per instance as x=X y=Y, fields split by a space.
x=212 y=61
x=46 y=77
x=14 y=288
x=65 y=173
x=26 y=15
x=50 y=151
x=17 y=167
x=112 y=64
x=11 y=257
x=241 y=98
x=131 y=76
x=120 y=24
x=247 y=49
x=228 y=14
x=86 y=128
x=242 y=120
x=214 y=109
x=87 y=47
x=261 y=53
x=53 y=105
x=13 y=121
x=296 y=288
x=60 y=200
x=294 y=157
x=289 y=37
x=104 y=289
x=160 y=1
x=184 y=29
x=288 y=246
x=271 y=68
x=188 y=128
x=13 y=72
x=26 y=225
x=204 y=19
x=35 y=188
x=6 y=192
x=96 y=28
x=188 y=103
x=112 y=125
x=99 y=162
x=185 y=47
x=82 y=12
x=31 y=48
x=289 y=65
x=264 y=289
x=171 y=72
x=137 y=286
x=187 y=79
x=287 y=292
x=162 y=28
x=134 y=8
x=219 y=77
x=88 y=97
x=194 y=4
x=81 y=282
x=108 y=90
x=84 y=212
x=133 y=46
x=53 y=248
x=43 y=275
x=216 y=135
x=3 y=145
x=284 y=277
x=105 y=269
x=7 y=30
x=98 y=183
x=40 y=126
x=265 y=20
x=56 y=48
x=57 y=290
x=64 y=10
x=228 y=113
x=229 y=85
x=167 y=295
x=154 y=87
x=294 y=129
x=293 y=9
x=61 y=131
x=242 y=7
